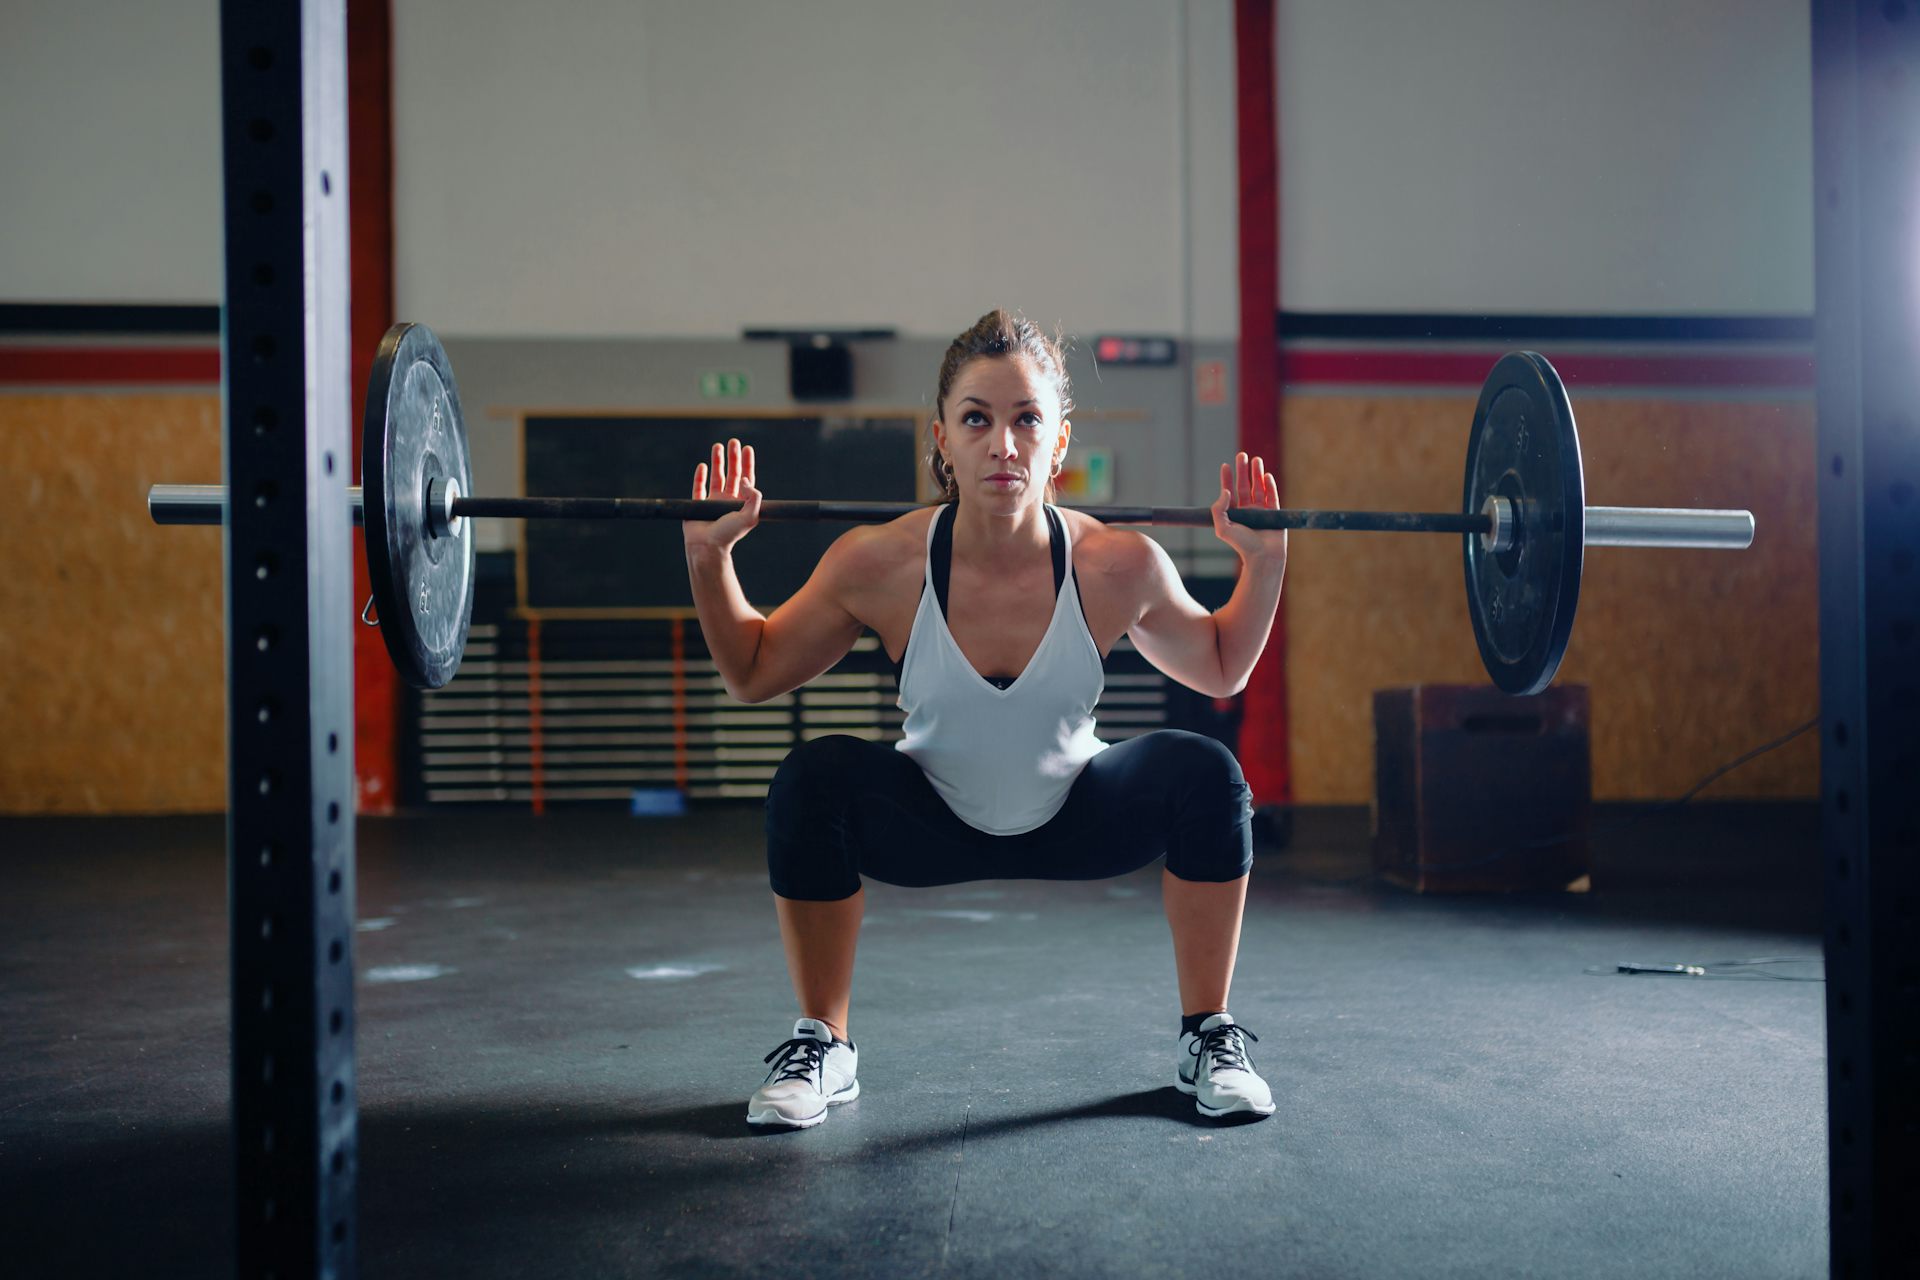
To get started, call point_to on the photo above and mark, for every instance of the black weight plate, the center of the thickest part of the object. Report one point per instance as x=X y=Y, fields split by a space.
x=1524 y=447
x=413 y=434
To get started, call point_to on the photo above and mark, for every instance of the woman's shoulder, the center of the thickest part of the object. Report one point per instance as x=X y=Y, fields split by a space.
x=1101 y=548
x=869 y=550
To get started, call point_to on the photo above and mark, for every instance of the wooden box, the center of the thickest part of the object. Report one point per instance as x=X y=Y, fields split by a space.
x=1478 y=791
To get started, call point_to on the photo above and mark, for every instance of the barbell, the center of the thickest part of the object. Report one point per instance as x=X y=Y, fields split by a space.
x=1524 y=523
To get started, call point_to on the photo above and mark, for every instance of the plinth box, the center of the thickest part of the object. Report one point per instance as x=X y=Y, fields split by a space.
x=1475 y=790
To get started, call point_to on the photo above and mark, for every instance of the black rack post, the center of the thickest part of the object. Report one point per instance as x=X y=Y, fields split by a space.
x=1866 y=129
x=287 y=403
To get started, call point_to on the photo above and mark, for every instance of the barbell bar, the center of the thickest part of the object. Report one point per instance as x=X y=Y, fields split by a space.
x=1524 y=518
x=206 y=504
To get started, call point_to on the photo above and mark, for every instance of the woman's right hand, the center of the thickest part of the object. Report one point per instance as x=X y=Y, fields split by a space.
x=729 y=474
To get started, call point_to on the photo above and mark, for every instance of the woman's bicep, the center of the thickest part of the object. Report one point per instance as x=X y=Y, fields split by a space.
x=1173 y=631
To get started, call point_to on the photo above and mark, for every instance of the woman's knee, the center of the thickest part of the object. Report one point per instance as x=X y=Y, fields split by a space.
x=808 y=853
x=1212 y=837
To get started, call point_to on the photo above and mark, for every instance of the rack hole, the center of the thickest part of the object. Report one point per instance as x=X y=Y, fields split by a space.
x=260 y=57
x=260 y=129
x=262 y=201
x=334 y=1024
x=333 y=882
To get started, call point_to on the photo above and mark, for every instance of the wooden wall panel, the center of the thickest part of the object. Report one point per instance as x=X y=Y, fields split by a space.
x=112 y=686
x=1693 y=657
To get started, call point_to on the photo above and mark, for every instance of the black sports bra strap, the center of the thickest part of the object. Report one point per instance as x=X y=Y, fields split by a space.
x=942 y=552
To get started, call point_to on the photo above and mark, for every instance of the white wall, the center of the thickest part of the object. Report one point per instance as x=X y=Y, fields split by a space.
x=1586 y=156
x=109 y=151
x=667 y=168
x=672 y=168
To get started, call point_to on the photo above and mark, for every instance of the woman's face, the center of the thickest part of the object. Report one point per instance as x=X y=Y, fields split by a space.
x=1002 y=433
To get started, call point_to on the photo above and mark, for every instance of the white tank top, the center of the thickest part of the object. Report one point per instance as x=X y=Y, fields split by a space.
x=1002 y=759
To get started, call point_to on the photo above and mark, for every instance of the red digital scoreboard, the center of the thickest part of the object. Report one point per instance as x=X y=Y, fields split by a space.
x=1110 y=348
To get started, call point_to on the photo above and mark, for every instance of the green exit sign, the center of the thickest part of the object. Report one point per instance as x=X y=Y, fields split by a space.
x=723 y=384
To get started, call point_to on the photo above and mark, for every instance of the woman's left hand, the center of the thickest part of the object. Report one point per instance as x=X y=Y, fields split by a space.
x=1245 y=482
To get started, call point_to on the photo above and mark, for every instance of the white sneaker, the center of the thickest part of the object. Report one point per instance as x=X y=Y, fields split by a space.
x=1213 y=1068
x=811 y=1072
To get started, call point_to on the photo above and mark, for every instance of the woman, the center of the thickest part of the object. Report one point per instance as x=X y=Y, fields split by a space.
x=997 y=609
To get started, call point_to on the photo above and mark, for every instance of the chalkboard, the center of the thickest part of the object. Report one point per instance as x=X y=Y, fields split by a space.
x=618 y=564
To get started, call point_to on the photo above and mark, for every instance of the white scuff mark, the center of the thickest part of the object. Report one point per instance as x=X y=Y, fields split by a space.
x=407 y=972
x=978 y=917
x=374 y=925
x=659 y=971
x=1121 y=891
x=458 y=903
x=976 y=895
x=1027 y=915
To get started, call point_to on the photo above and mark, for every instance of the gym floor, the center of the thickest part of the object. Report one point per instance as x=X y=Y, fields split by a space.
x=560 y=1020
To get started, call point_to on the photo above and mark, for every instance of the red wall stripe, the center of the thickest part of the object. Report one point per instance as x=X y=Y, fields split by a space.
x=102 y=365
x=1264 y=736
x=1387 y=368
x=376 y=685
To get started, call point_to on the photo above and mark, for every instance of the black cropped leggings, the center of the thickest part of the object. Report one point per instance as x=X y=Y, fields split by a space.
x=842 y=807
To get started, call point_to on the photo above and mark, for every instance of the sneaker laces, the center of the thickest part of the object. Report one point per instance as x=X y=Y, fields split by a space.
x=800 y=1059
x=1224 y=1044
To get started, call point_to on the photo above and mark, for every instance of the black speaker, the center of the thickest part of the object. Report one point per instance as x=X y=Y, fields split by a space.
x=820 y=372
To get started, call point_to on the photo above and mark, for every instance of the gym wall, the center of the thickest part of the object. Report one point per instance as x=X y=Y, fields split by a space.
x=591 y=204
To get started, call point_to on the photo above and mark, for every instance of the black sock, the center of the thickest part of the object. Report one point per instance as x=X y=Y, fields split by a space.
x=1190 y=1024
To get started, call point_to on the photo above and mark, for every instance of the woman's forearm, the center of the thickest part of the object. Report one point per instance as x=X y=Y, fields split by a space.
x=730 y=626
x=1246 y=619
